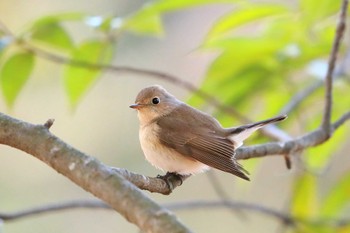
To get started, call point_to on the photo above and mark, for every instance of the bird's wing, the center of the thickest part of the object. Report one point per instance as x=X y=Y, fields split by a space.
x=203 y=145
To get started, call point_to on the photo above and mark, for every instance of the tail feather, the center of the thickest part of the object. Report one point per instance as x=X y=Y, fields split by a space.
x=239 y=134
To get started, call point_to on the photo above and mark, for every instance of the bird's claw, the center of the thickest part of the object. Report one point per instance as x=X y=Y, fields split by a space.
x=170 y=179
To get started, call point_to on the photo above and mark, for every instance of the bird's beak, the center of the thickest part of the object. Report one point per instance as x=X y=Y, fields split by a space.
x=135 y=106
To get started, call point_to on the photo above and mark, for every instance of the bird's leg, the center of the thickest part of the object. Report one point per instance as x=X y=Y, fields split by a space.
x=171 y=179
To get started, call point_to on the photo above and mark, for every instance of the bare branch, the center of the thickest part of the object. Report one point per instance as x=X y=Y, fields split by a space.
x=300 y=96
x=90 y=174
x=49 y=123
x=311 y=139
x=341 y=120
x=90 y=204
x=232 y=205
x=189 y=205
x=326 y=122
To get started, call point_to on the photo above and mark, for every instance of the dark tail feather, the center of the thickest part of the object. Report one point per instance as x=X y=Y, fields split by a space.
x=258 y=124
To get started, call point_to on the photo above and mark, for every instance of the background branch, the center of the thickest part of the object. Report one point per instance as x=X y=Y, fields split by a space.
x=326 y=123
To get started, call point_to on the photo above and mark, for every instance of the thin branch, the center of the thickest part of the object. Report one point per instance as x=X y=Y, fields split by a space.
x=90 y=204
x=189 y=205
x=272 y=132
x=311 y=139
x=300 y=96
x=232 y=205
x=341 y=120
x=285 y=218
x=137 y=71
x=326 y=122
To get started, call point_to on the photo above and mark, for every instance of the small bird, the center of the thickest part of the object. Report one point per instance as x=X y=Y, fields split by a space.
x=182 y=140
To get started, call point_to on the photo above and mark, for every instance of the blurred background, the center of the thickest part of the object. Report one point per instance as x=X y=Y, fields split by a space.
x=102 y=125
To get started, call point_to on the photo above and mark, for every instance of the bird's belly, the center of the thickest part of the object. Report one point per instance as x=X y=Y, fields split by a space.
x=166 y=158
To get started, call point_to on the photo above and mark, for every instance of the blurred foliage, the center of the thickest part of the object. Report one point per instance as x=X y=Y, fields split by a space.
x=264 y=50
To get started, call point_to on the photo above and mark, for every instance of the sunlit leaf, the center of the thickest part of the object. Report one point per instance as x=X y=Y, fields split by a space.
x=78 y=79
x=143 y=23
x=166 y=5
x=14 y=73
x=304 y=200
x=239 y=54
x=314 y=10
x=148 y=19
x=53 y=34
x=242 y=17
x=56 y=18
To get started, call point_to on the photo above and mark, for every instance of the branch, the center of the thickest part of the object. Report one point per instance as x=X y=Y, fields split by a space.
x=285 y=218
x=189 y=205
x=90 y=174
x=326 y=122
x=311 y=139
x=90 y=204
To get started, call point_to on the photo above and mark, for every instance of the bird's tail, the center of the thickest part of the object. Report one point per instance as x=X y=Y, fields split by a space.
x=239 y=134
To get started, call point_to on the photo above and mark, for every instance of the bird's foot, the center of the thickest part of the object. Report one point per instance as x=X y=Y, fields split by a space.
x=172 y=179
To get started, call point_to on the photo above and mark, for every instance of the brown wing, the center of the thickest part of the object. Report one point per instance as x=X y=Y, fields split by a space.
x=200 y=143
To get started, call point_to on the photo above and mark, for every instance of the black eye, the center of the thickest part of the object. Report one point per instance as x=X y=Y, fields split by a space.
x=155 y=100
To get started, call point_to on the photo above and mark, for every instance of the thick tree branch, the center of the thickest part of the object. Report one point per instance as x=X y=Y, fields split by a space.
x=90 y=174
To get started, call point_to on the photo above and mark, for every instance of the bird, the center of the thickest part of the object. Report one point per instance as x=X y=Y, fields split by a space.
x=182 y=140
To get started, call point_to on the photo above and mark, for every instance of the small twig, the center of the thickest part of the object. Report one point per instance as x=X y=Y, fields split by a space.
x=190 y=205
x=96 y=204
x=341 y=120
x=310 y=139
x=90 y=204
x=49 y=123
x=326 y=122
x=300 y=96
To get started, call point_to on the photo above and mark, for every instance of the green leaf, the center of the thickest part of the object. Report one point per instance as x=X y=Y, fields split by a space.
x=77 y=79
x=242 y=17
x=304 y=204
x=162 y=6
x=239 y=54
x=148 y=19
x=57 y=18
x=14 y=74
x=315 y=10
x=337 y=199
x=53 y=34
x=144 y=24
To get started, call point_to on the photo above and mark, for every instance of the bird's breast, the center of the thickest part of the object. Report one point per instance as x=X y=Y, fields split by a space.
x=163 y=157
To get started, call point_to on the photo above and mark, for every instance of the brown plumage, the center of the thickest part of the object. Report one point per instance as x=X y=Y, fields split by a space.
x=178 y=138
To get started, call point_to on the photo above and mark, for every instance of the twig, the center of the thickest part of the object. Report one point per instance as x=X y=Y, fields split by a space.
x=232 y=205
x=310 y=139
x=49 y=123
x=90 y=204
x=300 y=96
x=326 y=122
x=189 y=205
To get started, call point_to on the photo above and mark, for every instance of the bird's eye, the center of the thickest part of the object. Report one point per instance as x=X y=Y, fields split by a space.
x=155 y=100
